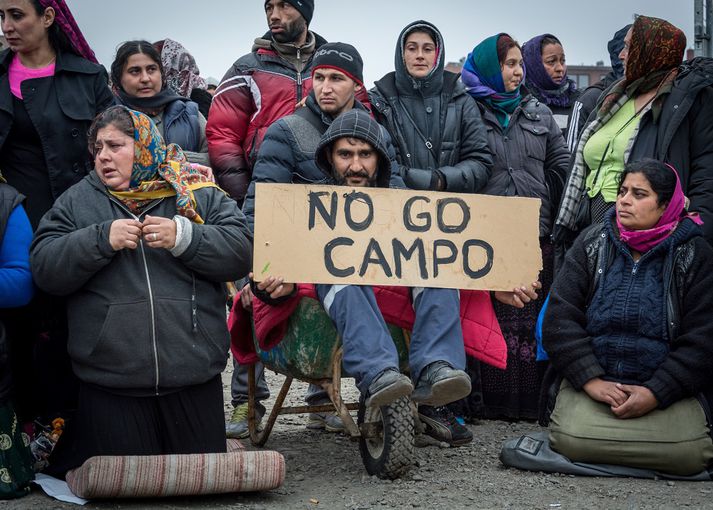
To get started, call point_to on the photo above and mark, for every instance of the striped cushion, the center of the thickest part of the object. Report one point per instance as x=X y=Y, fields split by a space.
x=177 y=475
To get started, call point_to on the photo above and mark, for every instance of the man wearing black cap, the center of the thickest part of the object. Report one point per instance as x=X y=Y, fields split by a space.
x=354 y=151
x=287 y=156
x=258 y=89
x=287 y=152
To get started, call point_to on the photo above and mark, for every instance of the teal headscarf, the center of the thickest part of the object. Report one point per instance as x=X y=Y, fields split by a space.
x=483 y=79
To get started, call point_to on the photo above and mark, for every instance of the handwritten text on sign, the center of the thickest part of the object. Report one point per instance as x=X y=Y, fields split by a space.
x=376 y=236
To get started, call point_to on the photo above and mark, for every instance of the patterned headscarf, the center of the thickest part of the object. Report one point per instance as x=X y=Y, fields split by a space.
x=160 y=171
x=538 y=80
x=655 y=53
x=483 y=79
x=65 y=20
x=179 y=69
x=656 y=48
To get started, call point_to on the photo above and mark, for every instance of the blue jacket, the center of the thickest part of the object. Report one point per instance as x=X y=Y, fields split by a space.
x=181 y=125
x=16 y=288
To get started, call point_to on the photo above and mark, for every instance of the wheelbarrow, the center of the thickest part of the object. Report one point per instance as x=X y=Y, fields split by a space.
x=311 y=351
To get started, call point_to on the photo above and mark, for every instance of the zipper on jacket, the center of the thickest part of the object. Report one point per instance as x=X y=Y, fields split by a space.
x=148 y=284
x=153 y=314
x=194 y=304
x=299 y=84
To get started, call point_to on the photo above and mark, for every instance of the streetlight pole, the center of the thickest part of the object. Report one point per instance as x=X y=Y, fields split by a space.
x=703 y=26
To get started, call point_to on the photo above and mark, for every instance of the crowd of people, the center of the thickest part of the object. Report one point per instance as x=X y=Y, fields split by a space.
x=127 y=201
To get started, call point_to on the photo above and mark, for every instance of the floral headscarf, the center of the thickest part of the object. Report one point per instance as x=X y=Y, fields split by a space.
x=65 y=20
x=160 y=171
x=179 y=69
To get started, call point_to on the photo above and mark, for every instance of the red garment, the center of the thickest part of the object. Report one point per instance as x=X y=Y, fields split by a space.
x=259 y=89
x=481 y=332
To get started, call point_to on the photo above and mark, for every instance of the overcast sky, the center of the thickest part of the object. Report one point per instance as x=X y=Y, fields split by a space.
x=217 y=32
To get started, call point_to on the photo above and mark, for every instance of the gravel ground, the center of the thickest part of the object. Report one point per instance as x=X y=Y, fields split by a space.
x=325 y=471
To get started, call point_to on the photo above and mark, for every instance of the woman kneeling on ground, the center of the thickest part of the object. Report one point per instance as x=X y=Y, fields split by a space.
x=140 y=247
x=628 y=327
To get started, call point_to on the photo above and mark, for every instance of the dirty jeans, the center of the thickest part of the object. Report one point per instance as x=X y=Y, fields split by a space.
x=368 y=347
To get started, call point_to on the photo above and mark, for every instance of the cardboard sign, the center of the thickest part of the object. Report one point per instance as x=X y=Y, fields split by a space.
x=376 y=236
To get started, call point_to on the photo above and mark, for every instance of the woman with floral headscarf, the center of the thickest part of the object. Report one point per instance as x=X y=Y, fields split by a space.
x=140 y=247
x=547 y=78
x=529 y=157
x=662 y=109
x=51 y=88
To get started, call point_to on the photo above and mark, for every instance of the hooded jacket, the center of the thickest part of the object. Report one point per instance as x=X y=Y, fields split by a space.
x=258 y=89
x=141 y=321
x=357 y=124
x=288 y=152
x=434 y=108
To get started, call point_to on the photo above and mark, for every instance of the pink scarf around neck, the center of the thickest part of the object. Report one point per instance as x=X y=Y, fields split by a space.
x=643 y=240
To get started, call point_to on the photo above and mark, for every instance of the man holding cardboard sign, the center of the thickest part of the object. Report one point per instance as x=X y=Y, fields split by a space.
x=287 y=156
x=353 y=152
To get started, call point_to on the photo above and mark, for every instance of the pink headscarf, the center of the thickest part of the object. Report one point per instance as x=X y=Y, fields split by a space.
x=65 y=20
x=643 y=240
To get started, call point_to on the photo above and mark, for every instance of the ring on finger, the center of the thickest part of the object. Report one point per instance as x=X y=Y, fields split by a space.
x=155 y=236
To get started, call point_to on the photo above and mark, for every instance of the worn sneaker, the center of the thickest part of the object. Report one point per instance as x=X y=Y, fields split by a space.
x=237 y=426
x=388 y=386
x=331 y=422
x=441 y=424
x=441 y=384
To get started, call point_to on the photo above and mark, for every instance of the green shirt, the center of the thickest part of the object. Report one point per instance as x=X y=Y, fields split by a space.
x=614 y=138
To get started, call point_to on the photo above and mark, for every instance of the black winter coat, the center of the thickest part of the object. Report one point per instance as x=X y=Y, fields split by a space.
x=436 y=109
x=530 y=157
x=687 y=278
x=62 y=109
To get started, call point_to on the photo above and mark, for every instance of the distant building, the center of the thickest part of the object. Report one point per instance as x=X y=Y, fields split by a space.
x=584 y=76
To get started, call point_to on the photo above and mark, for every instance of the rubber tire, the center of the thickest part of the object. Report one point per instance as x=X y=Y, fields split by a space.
x=392 y=454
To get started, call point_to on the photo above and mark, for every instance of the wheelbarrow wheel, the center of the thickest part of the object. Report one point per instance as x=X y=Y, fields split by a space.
x=387 y=438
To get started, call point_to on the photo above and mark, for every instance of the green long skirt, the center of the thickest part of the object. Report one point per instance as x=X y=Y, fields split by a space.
x=15 y=457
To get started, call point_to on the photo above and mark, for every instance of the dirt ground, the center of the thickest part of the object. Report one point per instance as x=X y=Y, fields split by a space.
x=325 y=471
